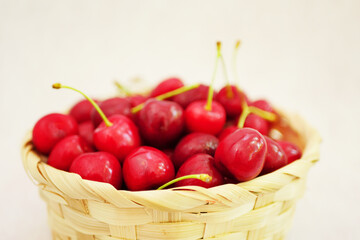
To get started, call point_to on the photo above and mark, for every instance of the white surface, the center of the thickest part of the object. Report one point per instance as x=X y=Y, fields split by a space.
x=302 y=55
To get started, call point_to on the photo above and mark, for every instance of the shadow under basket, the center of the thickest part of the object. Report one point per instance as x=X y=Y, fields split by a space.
x=258 y=209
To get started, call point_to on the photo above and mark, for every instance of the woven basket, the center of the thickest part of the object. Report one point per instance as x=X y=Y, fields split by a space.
x=258 y=209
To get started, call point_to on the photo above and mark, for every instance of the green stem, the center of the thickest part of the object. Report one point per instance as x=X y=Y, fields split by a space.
x=235 y=53
x=245 y=113
x=208 y=105
x=96 y=106
x=263 y=114
x=166 y=95
x=203 y=177
x=122 y=88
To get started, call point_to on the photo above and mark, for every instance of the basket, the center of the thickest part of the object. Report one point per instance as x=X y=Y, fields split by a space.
x=258 y=209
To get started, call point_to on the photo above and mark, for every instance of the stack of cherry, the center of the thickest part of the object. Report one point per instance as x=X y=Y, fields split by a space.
x=192 y=133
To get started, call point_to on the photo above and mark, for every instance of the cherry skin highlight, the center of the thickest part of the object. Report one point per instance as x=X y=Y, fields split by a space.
x=275 y=157
x=292 y=151
x=147 y=168
x=161 y=122
x=166 y=86
x=110 y=107
x=232 y=103
x=98 y=166
x=118 y=139
x=50 y=129
x=242 y=153
x=199 y=93
x=199 y=164
x=198 y=119
x=86 y=131
x=192 y=144
x=66 y=150
x=81 y=111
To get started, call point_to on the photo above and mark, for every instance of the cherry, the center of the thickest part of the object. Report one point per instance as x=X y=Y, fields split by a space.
x=86 y=131
x=206 y=116
x=146 y=168
x=200 y=93
x=136 y=100
x=275 y=156
x=81 y=111
x=117 y=135
x=231 y=98
x=227 y=131
x=110 y=107
x=242 y=154
x=199 y=119
x=166 y=86
x=98 y=166
x=263 y=105
x=196 y=164
x=292 y=151
x=161 y=122
x=258 y=123
x=192 y=144
x=66 y=150
x=50 y=129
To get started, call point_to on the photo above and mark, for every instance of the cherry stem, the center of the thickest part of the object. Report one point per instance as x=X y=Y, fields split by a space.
x=245 y=113
x=96 y=106
x=229 y=92
x=166 y=95
x=208 y=105
x=203 y=177
x=251 y=109
x=122 y=88
x=235 y=53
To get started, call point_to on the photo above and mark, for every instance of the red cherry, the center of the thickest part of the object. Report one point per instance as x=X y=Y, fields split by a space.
x=119 y=139
x=199 y=119
x=136 y=100
x=161 y=122
x=275 y=157
x=292 y=151
x=227 y=131
x=242 y=153
x=262 y=104
x=258 y=123
x=98 y=166
x=166 y=86
x=110 y=107
x=66 y=150
x=147 y=168
x=199 y=93
x=192 y=144
x=86 y=131
x=81 y=111
x=50 y=129
x=199 y=164
x=231 y=98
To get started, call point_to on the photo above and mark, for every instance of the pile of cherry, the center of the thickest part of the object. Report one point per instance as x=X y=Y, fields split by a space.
x=147 y=142
x=175 y=136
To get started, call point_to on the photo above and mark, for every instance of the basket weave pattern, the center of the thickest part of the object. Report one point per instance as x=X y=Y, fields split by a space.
x=258 y=209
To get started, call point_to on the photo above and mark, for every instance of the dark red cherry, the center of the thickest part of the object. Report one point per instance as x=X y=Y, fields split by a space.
x=169 y=152
x=166 y=86
x=86 y=131
x=292 y=151
x=262 y=104
x=110 y=107
x=161 y=122
x=258 y=123
x=199 y=164
x=232 y=99
x=66 y=150
x=119 y=139
x=98 y=166
x=199 y=119
x=242 y=153
x=147 y=168
x=192 y=144
x=227 y=131
x=275 y=157
x=199 y=93
x=50 y=129
x=81 y=111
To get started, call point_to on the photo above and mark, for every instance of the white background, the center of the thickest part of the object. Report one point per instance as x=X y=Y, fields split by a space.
x=302 y=55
